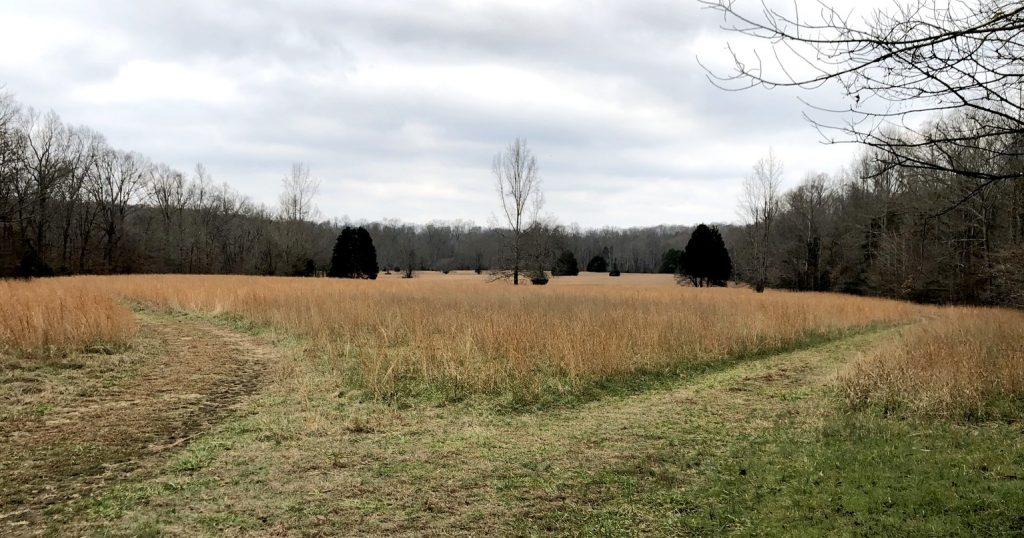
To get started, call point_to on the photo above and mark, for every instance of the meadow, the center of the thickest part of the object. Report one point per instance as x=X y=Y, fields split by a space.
x=448 y=404
x=462 y=334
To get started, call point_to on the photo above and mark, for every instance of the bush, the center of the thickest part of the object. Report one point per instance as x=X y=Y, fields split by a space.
x=597 y=264
x=566 y=265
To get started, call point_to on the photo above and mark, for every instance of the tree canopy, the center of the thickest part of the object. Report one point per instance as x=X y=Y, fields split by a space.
x=597 y=264
x=671 y=261
x=566 y=265
x=706 y=260
x=354 y=255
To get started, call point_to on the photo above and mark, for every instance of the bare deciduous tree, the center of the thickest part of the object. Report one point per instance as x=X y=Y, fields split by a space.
x=115 y=187
x=899 y=66
x=11 y=151
x=760 y=204
x=299 y=190
x=518 y=186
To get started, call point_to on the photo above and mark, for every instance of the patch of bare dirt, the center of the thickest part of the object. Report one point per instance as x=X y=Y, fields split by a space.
x=189 y=376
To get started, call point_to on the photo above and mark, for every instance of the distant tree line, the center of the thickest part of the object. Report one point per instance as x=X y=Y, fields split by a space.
x=69 y=204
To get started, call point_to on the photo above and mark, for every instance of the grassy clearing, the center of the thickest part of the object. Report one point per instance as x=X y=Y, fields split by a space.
x=967 y=364
x=278 y=432
x=761 y=447
x=452 y=339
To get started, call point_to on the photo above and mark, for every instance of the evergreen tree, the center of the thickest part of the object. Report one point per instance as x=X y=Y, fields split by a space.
x=365 y=254
x=597 y=264
x=566 y=265
x=706 y=261
x=354 y=255
x=342 y=259
x=670 y=261
x=32 y=265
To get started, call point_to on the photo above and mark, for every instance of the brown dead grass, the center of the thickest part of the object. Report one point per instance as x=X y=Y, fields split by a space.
x=961 y=364
x=472 y=335
x=53 y=316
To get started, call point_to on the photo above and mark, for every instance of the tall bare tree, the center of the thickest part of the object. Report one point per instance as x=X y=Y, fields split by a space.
x=518 y=186
x=760 y=204
x=11 y=151
x=300 y=188
x=116 y=188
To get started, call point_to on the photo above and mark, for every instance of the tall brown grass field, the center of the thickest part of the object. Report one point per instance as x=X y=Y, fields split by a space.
x=60 y=315
x=962 y=364
x=493 y=337
x=461 y=331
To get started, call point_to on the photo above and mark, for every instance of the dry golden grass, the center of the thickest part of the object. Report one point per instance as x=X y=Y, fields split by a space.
x=48 y=316
x=467 y=334
x=962 y=364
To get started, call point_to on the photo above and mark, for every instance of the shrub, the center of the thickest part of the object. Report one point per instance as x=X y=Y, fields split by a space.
x=566 y=265
x=597 y=264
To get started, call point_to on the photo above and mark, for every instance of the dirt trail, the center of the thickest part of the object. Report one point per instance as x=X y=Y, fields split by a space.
x=190 y=375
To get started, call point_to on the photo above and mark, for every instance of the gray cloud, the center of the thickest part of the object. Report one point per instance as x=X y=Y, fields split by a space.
x=398 y=108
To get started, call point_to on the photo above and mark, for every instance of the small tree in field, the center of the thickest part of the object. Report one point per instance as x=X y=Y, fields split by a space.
x=597 y=264
x=706 y=261
x=566 y=265
x=518 y=186
x=410 y=261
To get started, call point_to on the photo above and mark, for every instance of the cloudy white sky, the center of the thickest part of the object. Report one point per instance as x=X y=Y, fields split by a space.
x=398 y=107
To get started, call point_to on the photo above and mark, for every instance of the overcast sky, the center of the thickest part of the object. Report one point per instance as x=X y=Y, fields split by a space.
x=399 y=107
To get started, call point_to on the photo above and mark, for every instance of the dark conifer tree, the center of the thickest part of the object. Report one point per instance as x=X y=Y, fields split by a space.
x=597 y=264
x=365 y=254
x=354 y=255
x=670 y=261
x=342 y=259
x=706 y=261
x=566 y=265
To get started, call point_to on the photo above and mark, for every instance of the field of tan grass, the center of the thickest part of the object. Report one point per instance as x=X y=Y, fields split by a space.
x=465 y=334
x=712 y=411
x=962 y=364
x=60 y=315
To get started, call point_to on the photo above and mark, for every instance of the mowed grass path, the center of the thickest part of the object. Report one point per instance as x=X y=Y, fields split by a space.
x=760 y=446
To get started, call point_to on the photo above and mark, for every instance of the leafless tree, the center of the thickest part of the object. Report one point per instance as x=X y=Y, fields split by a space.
x=518 y=186
x=806 y=212
x=300 y=188
x=760 y=204
x=898 y=66
x=171 y=194
x=44 y=168
x=11 y=151
x=115 y=187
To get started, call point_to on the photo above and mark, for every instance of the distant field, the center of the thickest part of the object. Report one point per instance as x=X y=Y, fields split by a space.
x=449 y=404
